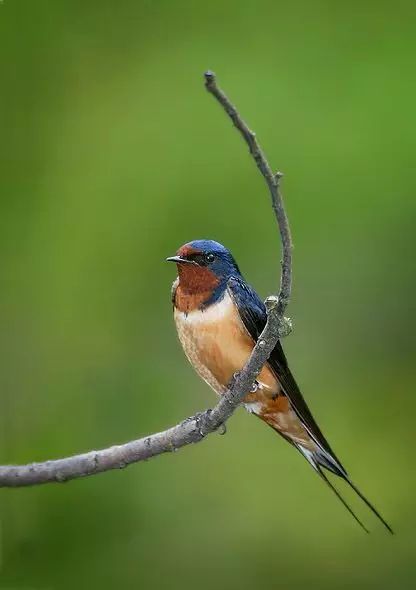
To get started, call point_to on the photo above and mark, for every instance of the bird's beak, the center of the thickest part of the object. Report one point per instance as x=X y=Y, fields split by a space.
x=179 y=260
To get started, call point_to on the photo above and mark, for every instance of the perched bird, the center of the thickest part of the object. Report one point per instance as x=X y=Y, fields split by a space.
x=219 y=317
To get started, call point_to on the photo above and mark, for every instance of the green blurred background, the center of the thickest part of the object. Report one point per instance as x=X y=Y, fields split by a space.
x=113 y=155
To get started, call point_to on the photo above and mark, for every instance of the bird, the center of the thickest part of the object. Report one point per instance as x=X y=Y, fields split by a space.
x=219 y=318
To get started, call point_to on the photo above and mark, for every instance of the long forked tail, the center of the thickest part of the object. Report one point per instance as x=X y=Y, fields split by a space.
x=370 y=506
x=338 y=495
x=320 y=461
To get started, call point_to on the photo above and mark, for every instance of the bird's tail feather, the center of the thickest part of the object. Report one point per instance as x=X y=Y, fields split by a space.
x=369 y=505
x=321 y=460
x=338 y=495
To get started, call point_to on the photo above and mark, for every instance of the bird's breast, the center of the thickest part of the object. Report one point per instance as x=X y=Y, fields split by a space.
x=216 y=343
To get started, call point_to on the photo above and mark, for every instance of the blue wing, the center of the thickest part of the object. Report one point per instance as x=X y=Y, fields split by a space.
x=253 y=314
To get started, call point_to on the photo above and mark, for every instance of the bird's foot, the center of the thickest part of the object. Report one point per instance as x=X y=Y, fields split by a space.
x=255 y=387
x=233 y=379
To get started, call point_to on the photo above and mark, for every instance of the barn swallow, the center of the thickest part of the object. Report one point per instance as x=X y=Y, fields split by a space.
x=219 y=317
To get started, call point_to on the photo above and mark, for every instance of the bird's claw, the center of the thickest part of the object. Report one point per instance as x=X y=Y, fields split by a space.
x=233 y=379
x=254 y=387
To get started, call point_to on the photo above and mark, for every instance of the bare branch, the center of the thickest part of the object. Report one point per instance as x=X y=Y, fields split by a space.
x=273 y=182
x=194 y=429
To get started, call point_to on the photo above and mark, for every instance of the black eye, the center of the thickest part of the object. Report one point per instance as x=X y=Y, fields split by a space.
x=209 y=257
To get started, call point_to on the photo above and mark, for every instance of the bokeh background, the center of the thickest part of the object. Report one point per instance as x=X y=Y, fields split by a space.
x=113 y=155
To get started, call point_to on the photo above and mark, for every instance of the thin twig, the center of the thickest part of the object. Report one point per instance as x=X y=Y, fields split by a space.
x=273 y=182
x=193 y=429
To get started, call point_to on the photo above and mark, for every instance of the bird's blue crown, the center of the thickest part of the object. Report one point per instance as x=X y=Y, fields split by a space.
x=215 y=257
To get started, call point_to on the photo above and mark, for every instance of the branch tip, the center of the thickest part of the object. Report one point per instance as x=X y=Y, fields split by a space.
x=209 y=76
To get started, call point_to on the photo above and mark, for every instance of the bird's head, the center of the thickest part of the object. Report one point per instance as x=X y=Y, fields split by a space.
x=204 y=266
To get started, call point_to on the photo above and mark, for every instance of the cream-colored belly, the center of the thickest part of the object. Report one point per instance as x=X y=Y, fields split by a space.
x=218 y=345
